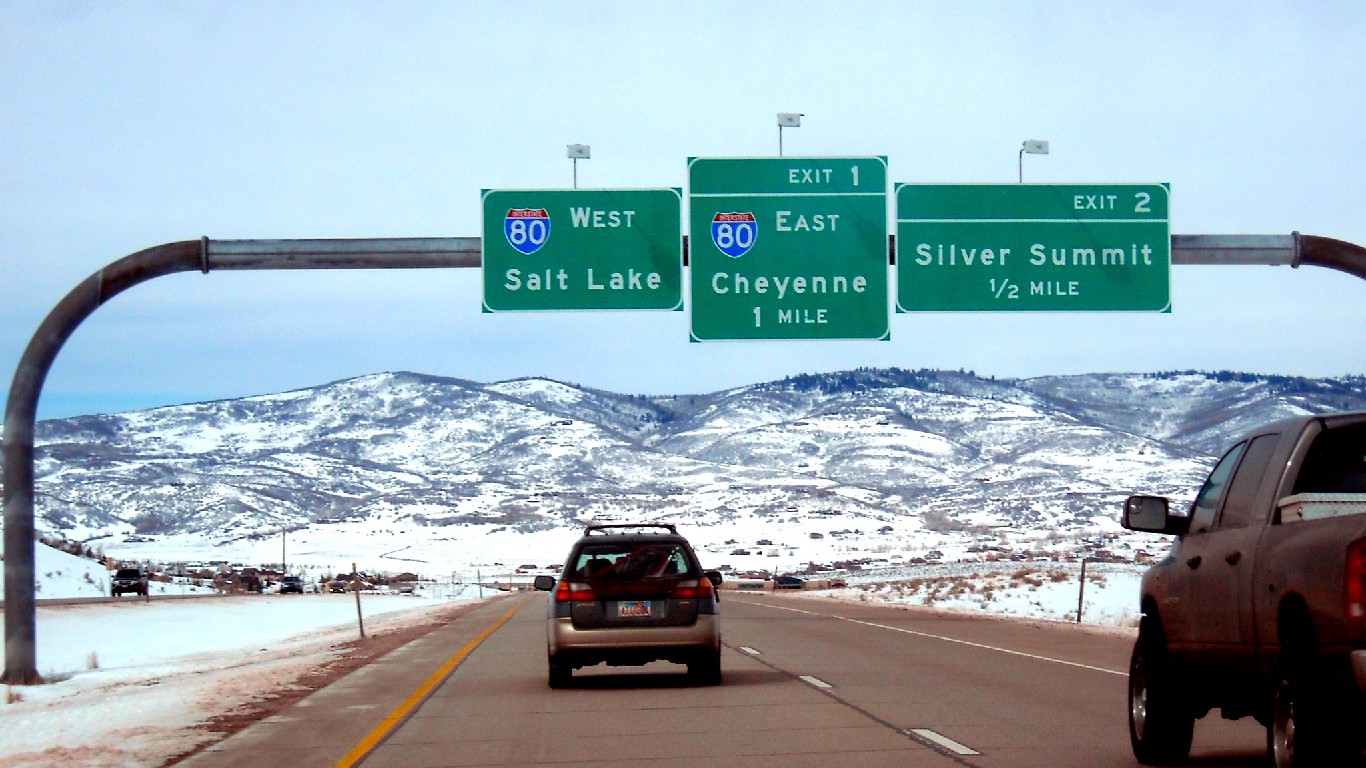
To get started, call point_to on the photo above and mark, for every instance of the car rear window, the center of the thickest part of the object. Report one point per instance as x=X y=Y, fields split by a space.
x=630 y=561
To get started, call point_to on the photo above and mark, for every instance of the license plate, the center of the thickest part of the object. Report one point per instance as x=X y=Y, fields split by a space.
x=633 y=609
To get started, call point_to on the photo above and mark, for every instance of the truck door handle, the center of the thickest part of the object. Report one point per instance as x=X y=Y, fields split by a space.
x=1232 y=558
x=1194 y=562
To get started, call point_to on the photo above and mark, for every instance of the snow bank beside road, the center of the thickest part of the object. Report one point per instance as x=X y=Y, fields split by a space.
x=1027 y=590
x=137 y=632
x=134 y=683
x=62 y=576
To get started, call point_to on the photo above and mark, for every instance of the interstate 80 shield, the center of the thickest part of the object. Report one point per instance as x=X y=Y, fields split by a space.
x=734 y=233
x=527 y=229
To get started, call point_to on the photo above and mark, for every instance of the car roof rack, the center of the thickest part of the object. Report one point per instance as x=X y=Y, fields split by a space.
x=607 y=529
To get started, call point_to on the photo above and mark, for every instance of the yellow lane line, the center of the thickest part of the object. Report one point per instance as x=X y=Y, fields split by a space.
x=382 y=731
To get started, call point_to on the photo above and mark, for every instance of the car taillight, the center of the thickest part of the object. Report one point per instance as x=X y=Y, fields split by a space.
x=700 y=589
x=569 y=592
x=1355 y=576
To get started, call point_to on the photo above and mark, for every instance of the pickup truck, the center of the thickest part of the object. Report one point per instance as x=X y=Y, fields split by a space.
x=1260 y=608
x=128 y=580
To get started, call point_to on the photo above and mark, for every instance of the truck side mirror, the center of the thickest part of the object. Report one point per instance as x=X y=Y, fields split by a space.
x=1152 y=514
x=544 y=583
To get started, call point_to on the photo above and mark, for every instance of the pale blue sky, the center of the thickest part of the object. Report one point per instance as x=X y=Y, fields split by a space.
x=126 y=125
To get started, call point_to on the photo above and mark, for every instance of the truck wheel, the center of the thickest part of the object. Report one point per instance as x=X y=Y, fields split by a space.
x=1160 y=725
x=1280 y=732
x=1303 y=730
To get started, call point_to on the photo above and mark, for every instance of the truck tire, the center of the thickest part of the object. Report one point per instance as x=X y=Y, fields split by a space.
x=1305 y=729
x=1160 y=723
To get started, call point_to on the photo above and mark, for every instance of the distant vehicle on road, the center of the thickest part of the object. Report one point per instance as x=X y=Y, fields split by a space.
x=630 y=595
x=1260 y=609
x=291 y=584
x=128 y=580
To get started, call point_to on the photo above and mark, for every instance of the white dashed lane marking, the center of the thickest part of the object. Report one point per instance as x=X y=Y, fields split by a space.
x=943 y=741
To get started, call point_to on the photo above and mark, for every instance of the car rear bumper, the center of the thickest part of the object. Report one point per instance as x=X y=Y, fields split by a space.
x=704 y=634
x=1359 y=669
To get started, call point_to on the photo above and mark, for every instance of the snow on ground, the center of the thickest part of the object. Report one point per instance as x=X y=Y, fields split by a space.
x=1027 y=590
x=133 y=683
x=59 y=576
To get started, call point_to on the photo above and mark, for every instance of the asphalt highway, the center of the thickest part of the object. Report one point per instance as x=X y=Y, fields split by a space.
x=805 y=683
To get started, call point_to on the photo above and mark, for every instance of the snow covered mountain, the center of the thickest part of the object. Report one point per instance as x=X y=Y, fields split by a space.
x=430 y=456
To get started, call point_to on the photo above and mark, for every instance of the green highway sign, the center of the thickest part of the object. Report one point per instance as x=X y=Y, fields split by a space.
x=563 y=249
x=1033 y=247
x=788 y=248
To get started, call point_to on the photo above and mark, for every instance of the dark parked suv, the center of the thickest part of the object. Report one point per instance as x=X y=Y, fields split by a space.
x=629 y=595
x=128 y=580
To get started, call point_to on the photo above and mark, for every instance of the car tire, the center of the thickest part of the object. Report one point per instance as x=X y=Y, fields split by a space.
x=706 y=669
x=561 y=674
x=1161 y=724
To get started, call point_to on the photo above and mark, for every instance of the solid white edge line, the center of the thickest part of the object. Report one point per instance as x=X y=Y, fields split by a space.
x=944 y=741
x=968 y=643
x=750 y=651
x=815 y=681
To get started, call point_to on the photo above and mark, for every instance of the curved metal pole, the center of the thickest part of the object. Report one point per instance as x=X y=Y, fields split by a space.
x=395 y=253
x=21 y=666
x=1273 y=250
x=1333 y=254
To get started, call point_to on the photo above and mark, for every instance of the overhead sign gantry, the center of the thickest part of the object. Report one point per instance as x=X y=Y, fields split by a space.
x=207 y=256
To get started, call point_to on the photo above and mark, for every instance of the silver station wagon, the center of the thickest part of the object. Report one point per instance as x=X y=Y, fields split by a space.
x=630 y=595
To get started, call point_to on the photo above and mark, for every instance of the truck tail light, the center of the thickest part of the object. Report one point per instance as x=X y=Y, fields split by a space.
x=1355 y=576
x=569 y=592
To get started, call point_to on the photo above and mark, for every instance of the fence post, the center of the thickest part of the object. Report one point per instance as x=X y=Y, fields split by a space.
x=1081 y=592
x=355 y=587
